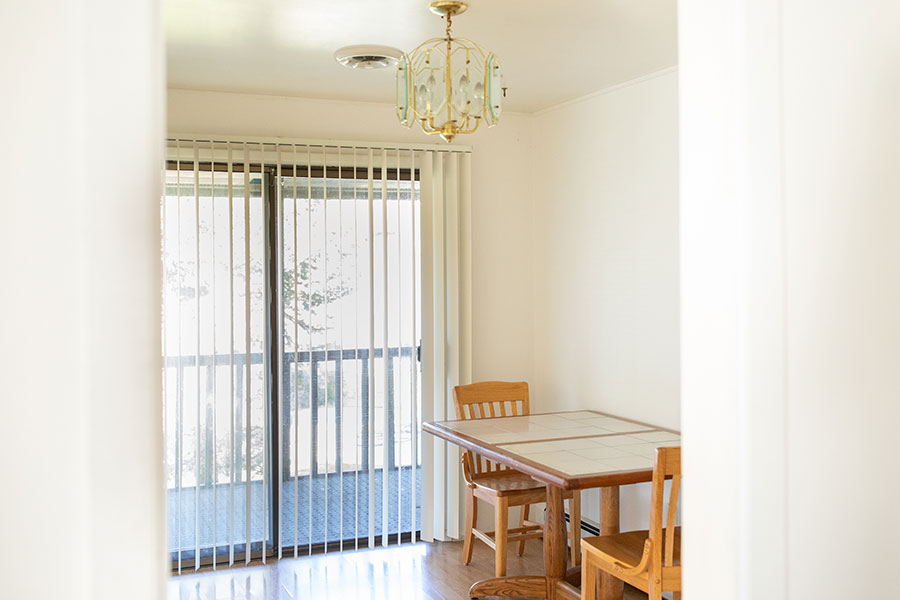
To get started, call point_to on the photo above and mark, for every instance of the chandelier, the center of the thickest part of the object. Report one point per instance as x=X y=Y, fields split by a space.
x=449 y=85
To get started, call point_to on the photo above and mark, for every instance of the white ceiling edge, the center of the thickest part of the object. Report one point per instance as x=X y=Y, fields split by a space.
x=606 y=90
x=340 y=101
x=583 y=98
x=303 y=141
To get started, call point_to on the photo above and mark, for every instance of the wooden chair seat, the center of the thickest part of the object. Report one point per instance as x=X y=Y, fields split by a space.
x=626 y=548
x=507 y=483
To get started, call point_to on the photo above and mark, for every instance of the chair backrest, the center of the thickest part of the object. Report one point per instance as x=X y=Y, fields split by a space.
x=484 y=400
x=491 y=399
x=662 y=532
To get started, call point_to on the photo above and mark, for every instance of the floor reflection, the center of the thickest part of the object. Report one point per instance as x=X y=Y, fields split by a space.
x=376 y=574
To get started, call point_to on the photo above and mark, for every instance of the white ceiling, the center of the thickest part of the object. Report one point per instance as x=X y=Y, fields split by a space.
x=551 y=51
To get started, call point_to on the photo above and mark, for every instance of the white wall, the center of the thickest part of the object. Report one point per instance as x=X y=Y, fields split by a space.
x=606 y=260
x=501 y=197
x=790 y=288
x=80 y=420
x=842 y=187
x=606 y=252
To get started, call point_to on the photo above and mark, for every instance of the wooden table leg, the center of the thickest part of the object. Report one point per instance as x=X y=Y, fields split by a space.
x=555 y=546
x=610 y=587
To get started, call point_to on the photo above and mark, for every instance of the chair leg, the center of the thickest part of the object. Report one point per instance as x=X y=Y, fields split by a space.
x=501 y=524
x=575 y=527
x=471 y=520
x=523 y=516
x=588 y=582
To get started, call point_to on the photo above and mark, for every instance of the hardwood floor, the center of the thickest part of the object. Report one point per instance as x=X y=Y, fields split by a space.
x=419 y=571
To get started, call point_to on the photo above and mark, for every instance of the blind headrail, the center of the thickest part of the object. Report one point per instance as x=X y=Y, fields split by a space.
x=312 y=143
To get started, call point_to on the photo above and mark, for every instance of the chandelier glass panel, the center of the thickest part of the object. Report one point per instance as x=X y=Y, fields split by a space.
x=449 y=85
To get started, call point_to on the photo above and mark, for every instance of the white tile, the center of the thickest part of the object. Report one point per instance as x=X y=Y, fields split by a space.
x=550 y=421
x=658 y=436
x=577 y=415
x=519 y=426
x=559 y=459
x=502 y=437
x=580 y=431
x=534 y=447
x=579 y=443
x=630 y=463
x=473 y=428
x=617 y=425
x=505 y=437
x=599 y=420
x=601 y=453
x=618 y=440
x=643 y=450
x=585 y=467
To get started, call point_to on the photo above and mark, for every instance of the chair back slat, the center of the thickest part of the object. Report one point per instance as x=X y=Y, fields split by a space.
x=670 y=521
x=662 y=533
x=488 y=399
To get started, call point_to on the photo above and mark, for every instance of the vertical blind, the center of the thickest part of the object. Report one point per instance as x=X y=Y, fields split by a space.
x=306 y=285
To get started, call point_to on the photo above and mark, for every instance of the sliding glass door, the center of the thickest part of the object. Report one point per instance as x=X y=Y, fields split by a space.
x=291 y=340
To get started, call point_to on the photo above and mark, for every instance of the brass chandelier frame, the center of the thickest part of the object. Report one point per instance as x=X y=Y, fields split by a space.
x=419 y=61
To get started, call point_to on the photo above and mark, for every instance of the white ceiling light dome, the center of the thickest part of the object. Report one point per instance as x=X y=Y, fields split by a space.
x=368 y=56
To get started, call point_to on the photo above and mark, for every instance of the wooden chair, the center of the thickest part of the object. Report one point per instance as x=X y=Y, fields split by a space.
x=651 y=559
x=501 y=486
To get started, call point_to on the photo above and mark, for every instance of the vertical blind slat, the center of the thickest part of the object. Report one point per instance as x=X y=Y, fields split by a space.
x=247 y=454
x=279 y=345
x=429 y=484
x=164 y=216
x=386 y=441
x=398 y=388
x=356 y=369
x=179 y=435
x=438 y=364
x=413 y=387
x=451 y=221
x=214 y=471
x=231 y=421
x=295 y=370
x=325 y=324
x=339 y=371
x=371 y=379
x=197 y=481
x=231 y=445
x=265 y=200
x=264 y=534
x=309 y=326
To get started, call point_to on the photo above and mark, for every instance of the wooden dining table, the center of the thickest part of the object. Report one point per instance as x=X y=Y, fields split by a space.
x=573 y=450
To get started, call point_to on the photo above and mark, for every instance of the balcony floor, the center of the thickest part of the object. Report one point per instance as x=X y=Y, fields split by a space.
x=334 y=509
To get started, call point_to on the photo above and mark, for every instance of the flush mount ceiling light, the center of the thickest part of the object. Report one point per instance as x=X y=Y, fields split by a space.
x=368 y=57
x=449 y=85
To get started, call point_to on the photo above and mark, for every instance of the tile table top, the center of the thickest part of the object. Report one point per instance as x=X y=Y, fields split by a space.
x=573 y=450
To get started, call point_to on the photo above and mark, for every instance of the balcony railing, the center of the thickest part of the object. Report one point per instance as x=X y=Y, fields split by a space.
x=346 y=514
